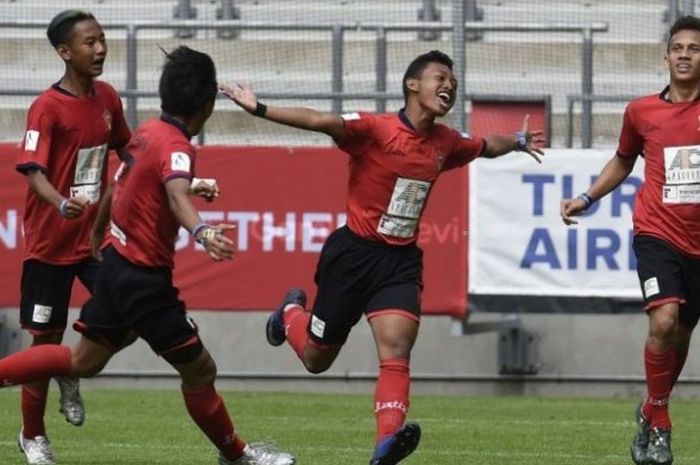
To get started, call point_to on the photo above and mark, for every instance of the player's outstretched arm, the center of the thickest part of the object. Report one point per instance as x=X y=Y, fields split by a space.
x=531 y=142
x=614 y=172
x=218 y=246
x=302 y=118
x=69 y=208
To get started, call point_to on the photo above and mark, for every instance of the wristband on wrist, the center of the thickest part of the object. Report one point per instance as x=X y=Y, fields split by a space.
x=521 y=141
x=260 y=110
x=587 y=199
x=63 y=207
x=196 y=230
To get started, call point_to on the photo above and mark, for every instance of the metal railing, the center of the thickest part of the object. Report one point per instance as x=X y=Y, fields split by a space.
x=337 y=31
x=571 y=100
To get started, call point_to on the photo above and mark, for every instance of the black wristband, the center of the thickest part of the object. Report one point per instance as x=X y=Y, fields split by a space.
x=260 y=110
x=587 y=199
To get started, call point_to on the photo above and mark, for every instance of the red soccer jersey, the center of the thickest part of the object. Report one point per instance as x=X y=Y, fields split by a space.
x=668 y=135
x=144 y=229
x=67 y=138
x=392 y=170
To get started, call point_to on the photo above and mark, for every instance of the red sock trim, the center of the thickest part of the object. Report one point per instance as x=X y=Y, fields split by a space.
x=296 y=321
x=37 y=363
x=208 y=411
x=659 y=369
x=391 y=396
x=33 y=409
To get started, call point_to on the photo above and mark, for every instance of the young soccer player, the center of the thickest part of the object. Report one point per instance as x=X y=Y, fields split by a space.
x=70 y=128
x=664 y=128
x=373 y=265
x=134 y=293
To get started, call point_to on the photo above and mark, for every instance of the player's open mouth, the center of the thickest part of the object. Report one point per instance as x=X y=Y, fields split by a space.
x=445 y=98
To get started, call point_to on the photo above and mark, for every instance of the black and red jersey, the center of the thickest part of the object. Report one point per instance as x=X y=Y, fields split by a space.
x=392 y=171
x=667 y=134
x=68 y=139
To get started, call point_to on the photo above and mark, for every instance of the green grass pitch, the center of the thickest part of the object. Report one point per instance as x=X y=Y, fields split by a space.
x=152 y=427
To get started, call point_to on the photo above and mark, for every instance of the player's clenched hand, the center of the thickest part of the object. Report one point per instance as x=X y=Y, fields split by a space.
x=207 y=188
x=242 y=94
x=73 y=207
x=218 y=246
x=568 y=208
x=534 y=140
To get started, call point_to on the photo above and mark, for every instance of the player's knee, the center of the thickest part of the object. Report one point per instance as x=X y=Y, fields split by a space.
x=48 y=338
x=85 y=367
x=317 y=366
x=663 y=326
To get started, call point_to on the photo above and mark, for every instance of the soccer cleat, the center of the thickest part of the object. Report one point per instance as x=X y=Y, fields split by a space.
x=641 y=438
x=37 y=450
x=274 y=329
x=393 y=449
x=260 y=454
x=71 y=401
x=659 y=450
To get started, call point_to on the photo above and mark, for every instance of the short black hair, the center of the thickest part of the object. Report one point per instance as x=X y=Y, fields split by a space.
x=60 y=28
x=187 y=83
x=684 y=23
x=419 y=63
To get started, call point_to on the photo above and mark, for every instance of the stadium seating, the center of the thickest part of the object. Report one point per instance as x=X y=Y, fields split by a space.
x=627 y=59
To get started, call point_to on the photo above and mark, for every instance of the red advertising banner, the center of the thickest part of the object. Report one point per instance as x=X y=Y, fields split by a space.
x=284 y=201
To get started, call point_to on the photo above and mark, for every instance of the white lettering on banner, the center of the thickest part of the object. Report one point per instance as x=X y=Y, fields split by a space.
x=519 y=244
x=287 y=232
x=264 y=230
x=299 y=231
x=8 y=230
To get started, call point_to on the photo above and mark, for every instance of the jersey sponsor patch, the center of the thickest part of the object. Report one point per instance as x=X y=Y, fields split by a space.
x=318 y=326
x=405 y=208
x=682 y=171
x=179 y=161
x=651 y=287
x=42 y=313
x=88 y=166
x=31 y=140
x=89 y=191
x=350 y=116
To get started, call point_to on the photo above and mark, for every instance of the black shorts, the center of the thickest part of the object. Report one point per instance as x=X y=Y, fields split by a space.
x=46 y=291
x=356 y=276
x=131 y=299
x=666 y=275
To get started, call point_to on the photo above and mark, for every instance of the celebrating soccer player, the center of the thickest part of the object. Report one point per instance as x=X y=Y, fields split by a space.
x=70 y=128
x=373 y=265
x=134 y=293
x=664 y=128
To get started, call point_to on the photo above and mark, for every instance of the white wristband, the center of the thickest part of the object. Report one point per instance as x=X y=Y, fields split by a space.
x=62 y=207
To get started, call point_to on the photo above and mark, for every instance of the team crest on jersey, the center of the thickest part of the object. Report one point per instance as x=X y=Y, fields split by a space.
x=440 y=161
x=108 y=120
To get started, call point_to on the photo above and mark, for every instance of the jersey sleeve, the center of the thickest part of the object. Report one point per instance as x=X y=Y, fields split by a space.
x=358 y=131
x=631 y=142
x=465 y=148
x=176 y=161
x=35 y=148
